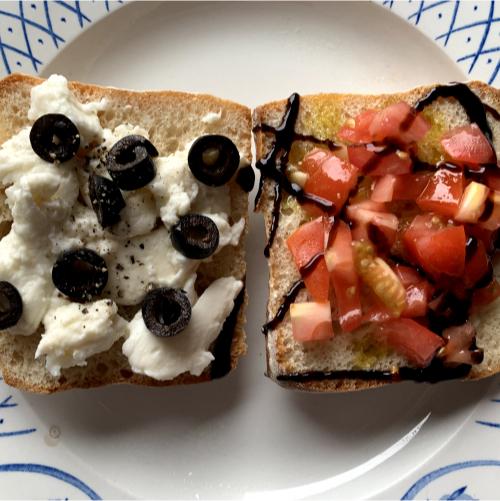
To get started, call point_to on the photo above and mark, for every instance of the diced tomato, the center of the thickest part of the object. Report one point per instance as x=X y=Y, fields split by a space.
x=487 y=237
x=385 y=224
x=305 y=243
x=359 y=132
x=313 y=160
x=468 y=145
x=333 y=180
x=398 y=122
x=383 y=190
x=373 y=308
x=485 y=296
x=442 y=193
x=374 y=163
x=339 y=261
x=460 y=346
x=311 y=321
x=440 y=251
x=492 y=178
x=477 y=266
x=412 y=340
x=410 y=186
x=418 y=291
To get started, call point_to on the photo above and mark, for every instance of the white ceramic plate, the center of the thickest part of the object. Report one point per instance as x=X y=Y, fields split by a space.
x=244 y=436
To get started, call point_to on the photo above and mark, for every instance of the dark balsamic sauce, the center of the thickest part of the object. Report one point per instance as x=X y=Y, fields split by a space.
x=221 y=351
x=274 y=164
x=311 y=264
x=470 y=102
x=274 y=218
x=434 y=373
x=288 y=299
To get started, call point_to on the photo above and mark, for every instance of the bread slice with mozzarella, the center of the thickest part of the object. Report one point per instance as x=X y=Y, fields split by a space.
x=361 y=293
x=128 y=267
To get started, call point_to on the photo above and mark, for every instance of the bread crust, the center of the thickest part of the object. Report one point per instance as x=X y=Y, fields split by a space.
x=333 y=110
x=172 y=119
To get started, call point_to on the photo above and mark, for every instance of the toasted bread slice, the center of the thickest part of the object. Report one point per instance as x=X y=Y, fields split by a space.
x=339 y=364
x=171 y=119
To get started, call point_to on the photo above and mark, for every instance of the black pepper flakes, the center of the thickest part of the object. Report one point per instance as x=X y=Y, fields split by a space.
x=141 y=246
x=85 y=311
x=119 y=267
x=132 y=259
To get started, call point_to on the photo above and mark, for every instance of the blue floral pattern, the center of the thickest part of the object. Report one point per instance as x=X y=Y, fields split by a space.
x=467 y=30
x=44 y=28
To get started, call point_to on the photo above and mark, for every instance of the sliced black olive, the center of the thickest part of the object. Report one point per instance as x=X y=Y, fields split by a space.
x=11 y=305
x=106 y=199
x=130 y=162
x=166 y=312
x=81 y=274
x=246 y=178
x=55 y=138
x=213 y=159
x=195 y=236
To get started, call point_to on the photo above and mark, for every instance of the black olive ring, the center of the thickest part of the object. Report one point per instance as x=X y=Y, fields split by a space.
x=54 y=138
x=166 y=312
x=130 y=163
x=80 y=274
x=213 y=159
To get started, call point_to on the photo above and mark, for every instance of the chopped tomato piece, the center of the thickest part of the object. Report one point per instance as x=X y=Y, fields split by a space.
x=440 y=251
x=333 y=180
x=379 y=163
x=460 y=346
x=412 y=340
x=313 y=160
x=486 y=236
x=305 y=243
x=340 y=264
x=398 y=122
x=485 y=296
x=311 y=321
x=418 y=291
x=380 y=227
x=357 y=131
x=492 y=178
x=383 y=190
x=442 y=193
x=468 y=145
x=477 y=266
x=373 y=308
x=409 y=186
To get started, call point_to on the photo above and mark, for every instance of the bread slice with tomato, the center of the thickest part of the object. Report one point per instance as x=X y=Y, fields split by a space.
x=382 y=216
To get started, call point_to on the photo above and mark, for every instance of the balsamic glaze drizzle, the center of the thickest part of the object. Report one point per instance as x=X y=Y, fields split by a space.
x=274 y=164
x=311 y=264
x=432 y=374
x=288 y=299
x=470 y=102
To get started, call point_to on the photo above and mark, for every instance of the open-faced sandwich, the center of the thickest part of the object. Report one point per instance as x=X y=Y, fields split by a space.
x=382 y=214
x=123 y=217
